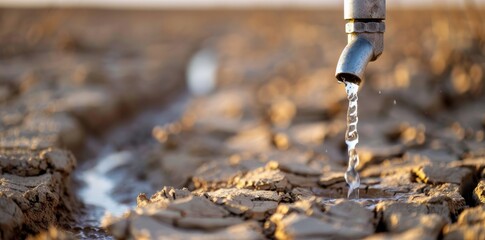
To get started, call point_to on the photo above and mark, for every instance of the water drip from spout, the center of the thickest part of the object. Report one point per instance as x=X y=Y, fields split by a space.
x=351 y=139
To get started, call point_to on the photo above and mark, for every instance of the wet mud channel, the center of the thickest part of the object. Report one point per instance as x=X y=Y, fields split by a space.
x=231 y=125
x=108 y=177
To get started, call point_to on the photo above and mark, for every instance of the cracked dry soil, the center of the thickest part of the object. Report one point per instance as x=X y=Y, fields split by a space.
x=263 y=155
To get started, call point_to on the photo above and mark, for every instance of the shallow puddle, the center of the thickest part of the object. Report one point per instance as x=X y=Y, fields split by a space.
x=370 y=193
x=368 y=197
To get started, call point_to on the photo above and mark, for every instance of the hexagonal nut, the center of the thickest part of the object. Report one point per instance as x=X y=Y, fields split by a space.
x=368 y=27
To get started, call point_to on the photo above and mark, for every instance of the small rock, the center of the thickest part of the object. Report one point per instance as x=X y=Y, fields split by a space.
x=331 y=179
x=116 y=226
x=280 y=141
x=61 y=160
x=194 y=206
x=253 y=204
x=399 y=217
x=345 y=220
x=447 y=193
x=433 y=174
x=302 y=193
x=32 y=189
x=163 y=197
x=469 y=225
x=425 y=227
x=140 y=226
x=218 y=174
x=263 y=179
x=479 y=192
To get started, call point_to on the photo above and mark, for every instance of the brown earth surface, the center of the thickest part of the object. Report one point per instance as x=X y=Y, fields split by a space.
x=263 y=155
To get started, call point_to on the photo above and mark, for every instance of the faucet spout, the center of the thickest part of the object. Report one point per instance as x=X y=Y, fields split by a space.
x=365 y=30
x=353 y=60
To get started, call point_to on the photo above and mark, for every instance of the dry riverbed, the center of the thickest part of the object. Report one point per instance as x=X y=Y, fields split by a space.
x=100 y=136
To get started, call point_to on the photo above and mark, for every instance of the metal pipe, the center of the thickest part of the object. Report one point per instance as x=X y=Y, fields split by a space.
x=353 y=60
x=364 y=28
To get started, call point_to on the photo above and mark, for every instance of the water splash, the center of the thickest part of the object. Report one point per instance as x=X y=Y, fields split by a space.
x=352 y=138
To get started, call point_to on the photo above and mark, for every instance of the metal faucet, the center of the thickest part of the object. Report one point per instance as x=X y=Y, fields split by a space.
x=365 y=37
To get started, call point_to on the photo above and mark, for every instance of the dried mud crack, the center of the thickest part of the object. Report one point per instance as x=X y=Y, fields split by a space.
x=263 y=155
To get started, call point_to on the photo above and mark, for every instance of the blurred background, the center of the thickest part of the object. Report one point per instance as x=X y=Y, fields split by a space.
x=142 y=50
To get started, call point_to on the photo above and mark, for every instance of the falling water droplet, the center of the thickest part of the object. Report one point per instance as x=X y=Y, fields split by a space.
x=352 y=138
x=394 y=101
x=380 y=92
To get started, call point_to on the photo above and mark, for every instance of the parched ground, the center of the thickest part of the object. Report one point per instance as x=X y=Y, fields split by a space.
x=263 y=155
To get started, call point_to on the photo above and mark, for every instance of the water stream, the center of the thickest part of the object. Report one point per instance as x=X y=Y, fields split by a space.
x=351 y=139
